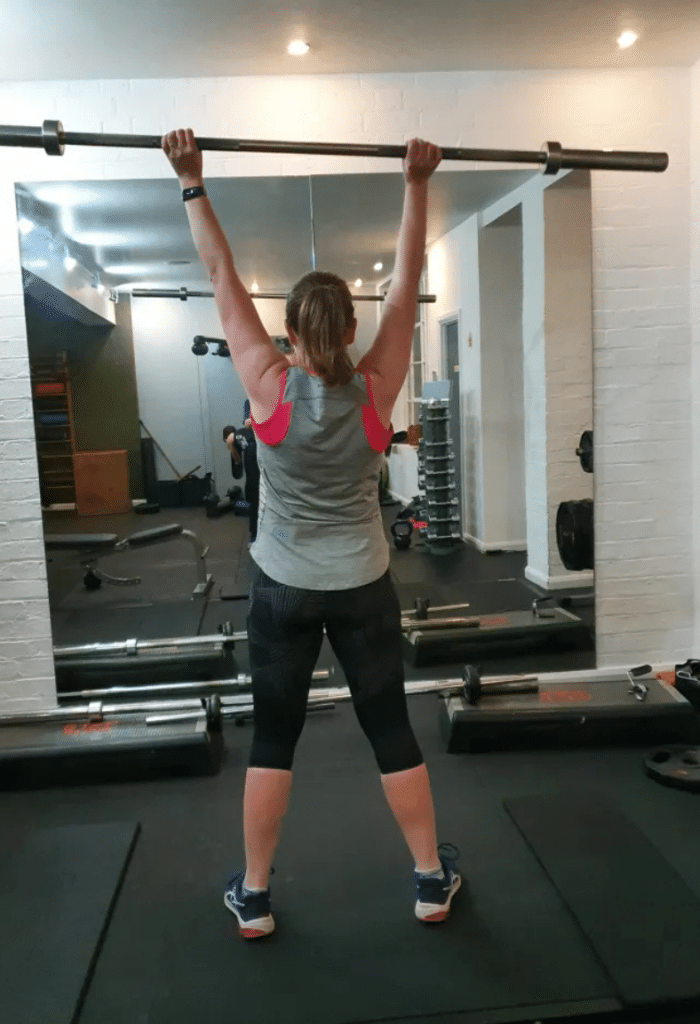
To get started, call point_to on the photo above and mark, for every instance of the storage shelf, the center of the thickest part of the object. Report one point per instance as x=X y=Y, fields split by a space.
x=53 y=370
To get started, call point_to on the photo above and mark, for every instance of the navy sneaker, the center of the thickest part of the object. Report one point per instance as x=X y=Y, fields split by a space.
x=434 y=895
x=252 y=909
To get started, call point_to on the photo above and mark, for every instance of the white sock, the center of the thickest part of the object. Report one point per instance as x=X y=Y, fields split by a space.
x=252 y=891
x=438 y=873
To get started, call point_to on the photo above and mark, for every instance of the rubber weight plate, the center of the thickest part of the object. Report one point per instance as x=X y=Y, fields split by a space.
x=676 y=766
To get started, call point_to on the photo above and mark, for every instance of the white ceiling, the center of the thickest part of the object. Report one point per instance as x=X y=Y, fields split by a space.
x=134 y=230
x=57 y=40
x=137 y=233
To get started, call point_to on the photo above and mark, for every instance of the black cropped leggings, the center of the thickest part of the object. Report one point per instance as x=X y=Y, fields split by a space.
x=285 y=633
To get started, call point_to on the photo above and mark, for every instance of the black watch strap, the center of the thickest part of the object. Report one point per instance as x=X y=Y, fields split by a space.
x=193 y=193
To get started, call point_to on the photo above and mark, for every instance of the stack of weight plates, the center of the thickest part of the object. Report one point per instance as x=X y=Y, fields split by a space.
x=436 y=476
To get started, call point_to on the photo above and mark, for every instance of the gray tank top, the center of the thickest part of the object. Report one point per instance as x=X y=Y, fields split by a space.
x=320 y=455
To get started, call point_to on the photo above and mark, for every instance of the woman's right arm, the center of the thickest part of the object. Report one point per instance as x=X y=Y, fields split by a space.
x=387 y=361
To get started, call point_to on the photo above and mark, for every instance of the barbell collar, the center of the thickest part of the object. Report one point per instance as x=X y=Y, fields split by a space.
x=554 y=155
x=52 y=138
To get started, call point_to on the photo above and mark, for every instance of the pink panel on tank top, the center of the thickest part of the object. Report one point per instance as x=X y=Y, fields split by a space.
x=275 y=427
x=377 y=435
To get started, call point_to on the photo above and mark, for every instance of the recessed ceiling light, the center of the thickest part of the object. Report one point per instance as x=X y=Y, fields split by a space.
x=627 y=39
x=379 y=266
x=358 y=283
x=297 y=48
x=255 y=287
x=69 y=263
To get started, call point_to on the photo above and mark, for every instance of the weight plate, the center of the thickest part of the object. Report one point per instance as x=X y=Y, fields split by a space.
x=676 y=766
x=575 y=534
x=585 y=451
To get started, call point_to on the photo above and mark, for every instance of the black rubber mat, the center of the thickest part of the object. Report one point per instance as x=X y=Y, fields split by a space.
x=483 y=598
x=177 y=580
x=347 y=946
x=230 y=590
x=636 y=911
x=58 y=888
x=463 y=563
x=172 y=953
x=142 y=621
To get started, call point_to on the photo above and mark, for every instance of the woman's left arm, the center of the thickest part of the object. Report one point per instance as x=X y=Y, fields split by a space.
x=251 y=349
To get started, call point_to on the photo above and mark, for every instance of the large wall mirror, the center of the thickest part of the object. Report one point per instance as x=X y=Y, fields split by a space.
x=127 y=415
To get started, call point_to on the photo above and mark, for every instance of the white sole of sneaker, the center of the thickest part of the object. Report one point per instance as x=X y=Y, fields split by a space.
x=257 y=929
x=435 y=913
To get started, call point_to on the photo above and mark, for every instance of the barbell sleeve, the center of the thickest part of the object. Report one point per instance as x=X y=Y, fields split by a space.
x=235 y=713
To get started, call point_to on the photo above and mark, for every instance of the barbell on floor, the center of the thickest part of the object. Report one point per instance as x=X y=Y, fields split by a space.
x=134 y=648
x=186 y=647
x=470 y=684
x=215 y=709
x=97 y=711
x=423 y=606
x=171 y=649
x=551 y=158
x=216 y=717
x=213 y=686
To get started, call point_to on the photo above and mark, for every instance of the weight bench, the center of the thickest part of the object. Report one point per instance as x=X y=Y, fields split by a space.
x=94 y=546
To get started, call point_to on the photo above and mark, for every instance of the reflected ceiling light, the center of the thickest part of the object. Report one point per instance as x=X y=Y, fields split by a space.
x=297 y=48
x=627 y=39
x=379 y=266
x=358 y=283
x=255 y=287
x=101 y=289
x=131 y=270
x=116 y=239
x=69 y=263
x=66 y=194
x=24 y=225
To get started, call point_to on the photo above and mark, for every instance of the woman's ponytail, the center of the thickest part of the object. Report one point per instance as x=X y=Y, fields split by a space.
x=320 y=312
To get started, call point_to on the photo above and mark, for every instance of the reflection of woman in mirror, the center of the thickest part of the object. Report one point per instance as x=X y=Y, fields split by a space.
x=322 y=554
x=252 y=472
x=231 y=443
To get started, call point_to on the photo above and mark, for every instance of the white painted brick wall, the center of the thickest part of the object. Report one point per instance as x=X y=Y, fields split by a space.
x=694 y=221
x=640 y=241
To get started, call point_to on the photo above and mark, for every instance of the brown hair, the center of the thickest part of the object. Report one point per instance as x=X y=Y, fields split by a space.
x=320 y=311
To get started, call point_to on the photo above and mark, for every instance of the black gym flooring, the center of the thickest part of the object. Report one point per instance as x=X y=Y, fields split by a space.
x=112 y=896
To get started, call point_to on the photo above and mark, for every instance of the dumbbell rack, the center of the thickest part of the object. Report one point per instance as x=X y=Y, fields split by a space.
x=439 y=504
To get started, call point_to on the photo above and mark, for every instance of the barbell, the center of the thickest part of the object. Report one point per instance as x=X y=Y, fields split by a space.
x=92 y=655
x=200 y=688
x=470 y=684
x=215 y=710
x=167 y=648
x=551 y=158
